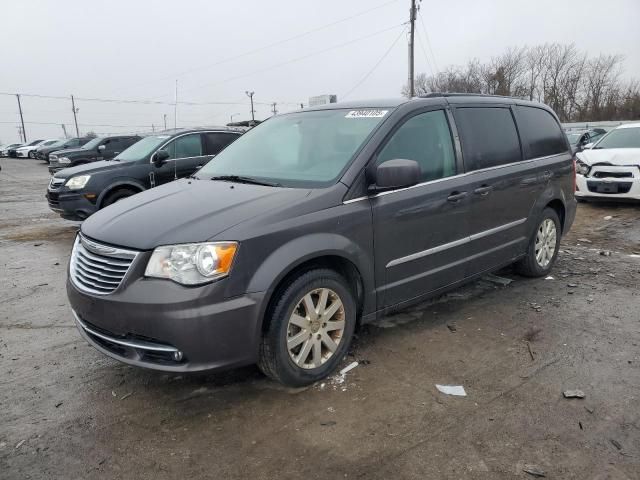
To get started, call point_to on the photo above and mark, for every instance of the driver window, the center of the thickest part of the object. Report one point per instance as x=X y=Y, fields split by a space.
x=185 y=146
x=425 y=138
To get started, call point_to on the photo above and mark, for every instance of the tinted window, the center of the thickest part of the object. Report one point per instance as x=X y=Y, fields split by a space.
x=620 y=138
x=426 y=139
x=185 y=146
x=489 y=137
x=217 y=141
x=541 y=131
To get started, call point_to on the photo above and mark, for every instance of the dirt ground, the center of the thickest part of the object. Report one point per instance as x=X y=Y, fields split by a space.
x=68 y=412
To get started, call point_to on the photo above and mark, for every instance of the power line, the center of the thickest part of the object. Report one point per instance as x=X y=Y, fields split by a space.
x=265 y=47
x=426 y=34
x=297 y=59
x=426 y=57
x=377 y=63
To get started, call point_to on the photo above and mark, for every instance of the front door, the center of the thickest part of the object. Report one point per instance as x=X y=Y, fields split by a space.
x=186 y=154
x=420 y=232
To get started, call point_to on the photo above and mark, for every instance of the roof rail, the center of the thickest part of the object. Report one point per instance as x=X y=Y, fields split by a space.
x=446 y=94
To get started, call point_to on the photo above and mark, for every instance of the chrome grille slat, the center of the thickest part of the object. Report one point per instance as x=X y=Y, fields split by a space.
x=97 y=268
x=97 y=264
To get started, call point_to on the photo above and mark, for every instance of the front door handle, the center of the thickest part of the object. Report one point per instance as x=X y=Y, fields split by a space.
x=483 y=190
x=456 y=196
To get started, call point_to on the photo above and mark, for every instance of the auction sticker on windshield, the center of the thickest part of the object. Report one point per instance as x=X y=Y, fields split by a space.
x=368 y=113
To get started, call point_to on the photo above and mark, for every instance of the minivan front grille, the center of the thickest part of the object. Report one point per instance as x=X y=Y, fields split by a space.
x=97 y=268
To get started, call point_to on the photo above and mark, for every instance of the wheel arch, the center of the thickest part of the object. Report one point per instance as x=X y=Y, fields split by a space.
x=121 y=184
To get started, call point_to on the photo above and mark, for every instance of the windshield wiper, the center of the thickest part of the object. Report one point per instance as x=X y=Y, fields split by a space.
x=241 y=179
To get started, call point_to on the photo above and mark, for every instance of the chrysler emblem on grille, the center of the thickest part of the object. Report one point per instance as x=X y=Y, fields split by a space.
x=96 y=248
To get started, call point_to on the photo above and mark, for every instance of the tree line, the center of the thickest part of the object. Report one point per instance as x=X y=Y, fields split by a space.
x=578 y=87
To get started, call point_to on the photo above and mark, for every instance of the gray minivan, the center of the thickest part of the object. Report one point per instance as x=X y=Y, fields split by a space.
x=319 y=220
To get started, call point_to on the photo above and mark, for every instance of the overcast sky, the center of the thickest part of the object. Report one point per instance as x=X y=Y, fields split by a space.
x=135 y=50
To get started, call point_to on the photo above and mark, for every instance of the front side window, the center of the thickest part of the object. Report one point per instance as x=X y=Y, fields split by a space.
x=185 y=146
x=542 y=132
x=620 y=138
x=307 y=149
x=425 y=138
x=488 y=135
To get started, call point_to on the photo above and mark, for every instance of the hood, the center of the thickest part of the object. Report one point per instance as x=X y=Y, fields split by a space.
x=184 y=211
x=88 y=168
x=612 y=156
x=74 y=151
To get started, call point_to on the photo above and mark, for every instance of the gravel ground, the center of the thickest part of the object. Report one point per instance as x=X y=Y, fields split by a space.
x=68 y=412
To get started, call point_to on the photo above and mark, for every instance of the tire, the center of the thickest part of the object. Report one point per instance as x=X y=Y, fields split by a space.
x=538 y=262
x=32 y=154
x=276 y=360
x=116 y=196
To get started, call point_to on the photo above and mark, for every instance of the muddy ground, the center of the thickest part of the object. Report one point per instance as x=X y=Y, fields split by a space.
x=68 y=412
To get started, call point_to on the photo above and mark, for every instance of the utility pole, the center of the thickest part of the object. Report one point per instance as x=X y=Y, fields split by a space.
x=273 y=108
x=412 y=20
x=165 y=121
x=175 y=108
x=75 y=118
x=20 y=134
x=64 y=130
x=250 y=95
x=153 y=127
x=24 y=132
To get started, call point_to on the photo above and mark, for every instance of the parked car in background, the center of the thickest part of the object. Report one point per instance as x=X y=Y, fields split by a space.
x=29 y=151
x=584 y=139
x=77 y=192
x=611 y=168
x=99 y=148
x=43 y=152
x=13 y=152
x=4 y=150
x=315 y=221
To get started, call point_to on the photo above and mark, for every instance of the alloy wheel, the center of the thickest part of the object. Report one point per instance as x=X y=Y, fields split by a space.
x=315 y=328
x=545 y=242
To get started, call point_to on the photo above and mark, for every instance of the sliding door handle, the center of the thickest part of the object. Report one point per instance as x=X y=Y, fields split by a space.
x=456 y=196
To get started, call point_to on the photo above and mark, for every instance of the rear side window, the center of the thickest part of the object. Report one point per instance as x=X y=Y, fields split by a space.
x=489 y=137
x=541 y=131
x=425 y=138
x=215 y=142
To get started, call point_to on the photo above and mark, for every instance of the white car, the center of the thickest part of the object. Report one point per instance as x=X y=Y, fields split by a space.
x=30 y=150
x=611 y=168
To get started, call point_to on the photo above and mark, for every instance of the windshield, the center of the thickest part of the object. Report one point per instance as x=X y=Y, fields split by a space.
x=143 y=148
x=57 y=143
x=297 y=149
x=621 y=138
x=91 y=144
x=50 y=142
x=574 y=137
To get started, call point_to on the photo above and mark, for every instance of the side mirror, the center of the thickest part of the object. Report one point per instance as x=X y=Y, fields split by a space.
x=102 y=148
x=397 y=173
x=160 y=157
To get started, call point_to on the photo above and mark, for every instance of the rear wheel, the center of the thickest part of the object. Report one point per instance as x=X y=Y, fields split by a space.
x=118 y=195
x=542 y=250
x=310 y=328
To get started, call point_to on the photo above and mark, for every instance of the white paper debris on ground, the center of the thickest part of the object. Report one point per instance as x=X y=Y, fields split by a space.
x=348 y=368
x=549 y=278
x=634 y=255
x=457 y=390
x=608 y=217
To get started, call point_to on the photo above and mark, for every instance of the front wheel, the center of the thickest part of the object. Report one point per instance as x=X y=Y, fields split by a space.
x=32 y=154
x=543 y=247
x=310 y=328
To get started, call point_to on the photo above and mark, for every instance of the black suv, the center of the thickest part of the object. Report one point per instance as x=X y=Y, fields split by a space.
x=43 y=153
x=99 y=148
x=316 y=221
x=77 y=192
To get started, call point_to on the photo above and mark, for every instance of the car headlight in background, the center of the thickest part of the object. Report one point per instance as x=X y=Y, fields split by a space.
x=64 y=160
x=76 y=183
x=582 y=168
x=192 y=263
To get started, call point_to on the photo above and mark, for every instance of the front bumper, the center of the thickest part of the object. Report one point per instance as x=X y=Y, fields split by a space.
x=609 y=182
x=161 y=325
x=70 y=205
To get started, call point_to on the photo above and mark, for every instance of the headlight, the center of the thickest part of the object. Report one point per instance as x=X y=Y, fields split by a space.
x=64 y=160
x=76 y=183
x=582 y=168
x=192 y=263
